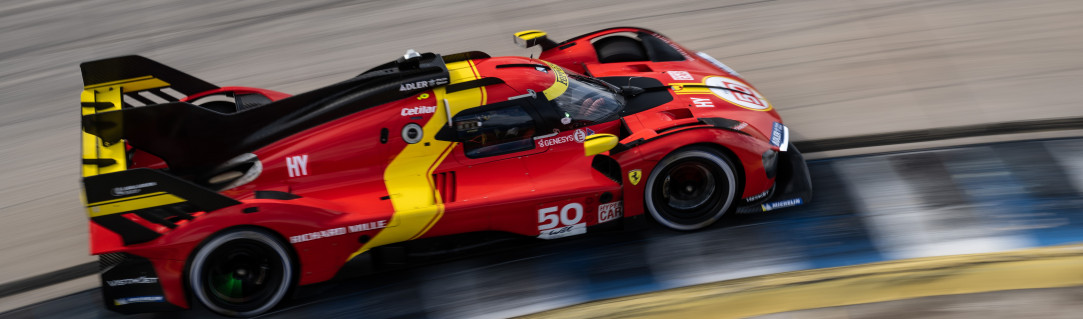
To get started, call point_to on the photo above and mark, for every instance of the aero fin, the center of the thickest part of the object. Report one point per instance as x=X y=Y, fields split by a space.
x=129 y=201
x=126 y=82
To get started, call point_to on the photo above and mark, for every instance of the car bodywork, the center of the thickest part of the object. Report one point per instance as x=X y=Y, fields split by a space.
x=427 y=146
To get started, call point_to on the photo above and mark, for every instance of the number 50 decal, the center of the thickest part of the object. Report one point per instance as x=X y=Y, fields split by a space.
x=569 y=215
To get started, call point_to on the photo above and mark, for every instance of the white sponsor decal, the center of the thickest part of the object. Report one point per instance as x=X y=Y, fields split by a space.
x=757 y=196
x=133 y=189
x=577 y=229
x=422 y=84
x=776 y=134
x=407 y=111
x=737 y=93
x=552 y=224
x=578 y=136
x=702 y=102
x=368 y=226
x=318 y=234
x=609 y=211
x=562 y=222
x=125 y=301
x=680 y=75
x=132 y=281
x=297 y=165
x=338 y=231
x=550 y=218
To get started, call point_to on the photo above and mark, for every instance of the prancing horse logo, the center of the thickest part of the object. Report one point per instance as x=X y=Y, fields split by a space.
x=634 y=176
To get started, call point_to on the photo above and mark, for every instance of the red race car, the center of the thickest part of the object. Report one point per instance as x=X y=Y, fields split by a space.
x=238 y=195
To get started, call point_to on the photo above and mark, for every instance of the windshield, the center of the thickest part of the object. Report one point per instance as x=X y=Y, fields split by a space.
x=588 y=101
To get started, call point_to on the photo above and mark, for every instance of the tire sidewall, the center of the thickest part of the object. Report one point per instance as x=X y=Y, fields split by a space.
x=197 y=266
x=723 y=165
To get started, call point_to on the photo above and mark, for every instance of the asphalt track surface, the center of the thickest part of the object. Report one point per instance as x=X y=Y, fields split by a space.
x=833 y=68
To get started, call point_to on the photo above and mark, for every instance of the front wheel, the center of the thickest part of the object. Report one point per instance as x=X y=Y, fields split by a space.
x=241 y=273
x=691 y=189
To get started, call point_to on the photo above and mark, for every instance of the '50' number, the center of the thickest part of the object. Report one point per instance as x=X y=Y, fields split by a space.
x=569 y=215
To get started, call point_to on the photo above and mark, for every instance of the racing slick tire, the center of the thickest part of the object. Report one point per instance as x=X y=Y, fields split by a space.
x=241 y=273
x=619 y=49
x=691 y=189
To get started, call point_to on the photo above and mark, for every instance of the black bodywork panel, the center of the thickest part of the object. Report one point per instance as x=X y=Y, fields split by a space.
x=131 y=286
x=192 y=139
x=654 y=93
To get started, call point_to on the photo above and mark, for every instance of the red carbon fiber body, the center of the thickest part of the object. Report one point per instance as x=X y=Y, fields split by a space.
x=424 y=165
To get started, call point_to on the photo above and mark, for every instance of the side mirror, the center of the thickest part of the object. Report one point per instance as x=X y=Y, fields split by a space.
x=599 y=143
x=530 y=38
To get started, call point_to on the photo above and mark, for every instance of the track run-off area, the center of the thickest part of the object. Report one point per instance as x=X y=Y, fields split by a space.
x=846 y=76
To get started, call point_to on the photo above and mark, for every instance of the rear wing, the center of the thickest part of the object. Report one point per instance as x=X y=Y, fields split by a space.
x=133 y=206
x=123 y=82
x=195 y=142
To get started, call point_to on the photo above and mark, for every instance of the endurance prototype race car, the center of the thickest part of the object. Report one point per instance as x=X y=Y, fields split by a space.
x=235 y=196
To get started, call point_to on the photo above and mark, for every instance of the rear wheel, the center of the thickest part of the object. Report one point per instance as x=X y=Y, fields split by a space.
x=691 y=189
x=241 y=273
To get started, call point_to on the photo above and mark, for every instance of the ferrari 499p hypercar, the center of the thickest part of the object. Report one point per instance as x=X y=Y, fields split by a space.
x=234 y=196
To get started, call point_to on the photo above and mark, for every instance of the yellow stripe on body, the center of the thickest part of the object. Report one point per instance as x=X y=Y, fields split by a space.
x=680 y=89
x=408 y=177
x=111 y=92
x=131 y=85
x=559 y=85
x=131 y=204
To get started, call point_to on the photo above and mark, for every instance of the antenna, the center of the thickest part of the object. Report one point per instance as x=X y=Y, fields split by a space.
x=447 y=109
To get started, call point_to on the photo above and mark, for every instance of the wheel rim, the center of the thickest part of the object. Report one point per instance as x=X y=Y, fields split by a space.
x=690 y=190
x=688 y=186
x=243 y=272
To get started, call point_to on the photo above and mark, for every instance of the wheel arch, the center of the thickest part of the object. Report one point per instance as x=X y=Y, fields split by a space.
x=738 y=166
x=742 y=150
x=723 y=153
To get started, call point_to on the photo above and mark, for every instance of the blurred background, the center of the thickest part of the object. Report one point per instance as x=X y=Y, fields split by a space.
x=833 y=69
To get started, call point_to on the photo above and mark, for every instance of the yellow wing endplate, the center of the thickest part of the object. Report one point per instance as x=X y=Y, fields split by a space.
x=100 y=157
x=530 y=38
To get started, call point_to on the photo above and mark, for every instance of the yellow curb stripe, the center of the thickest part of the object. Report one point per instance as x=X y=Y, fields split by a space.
x=885 y=281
